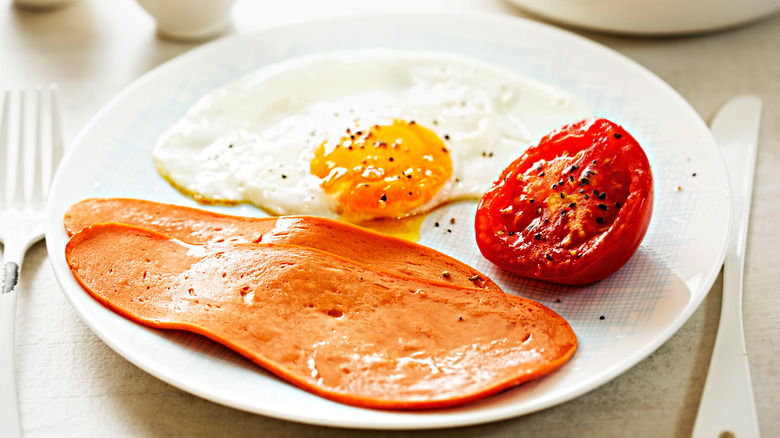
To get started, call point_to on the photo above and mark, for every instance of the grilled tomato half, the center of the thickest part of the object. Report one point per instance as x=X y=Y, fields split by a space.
x=572 y=209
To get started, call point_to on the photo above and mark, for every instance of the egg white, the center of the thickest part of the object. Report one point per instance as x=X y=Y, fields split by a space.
x=253 y=139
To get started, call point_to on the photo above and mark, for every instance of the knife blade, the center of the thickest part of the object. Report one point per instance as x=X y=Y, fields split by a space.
x=727 y=406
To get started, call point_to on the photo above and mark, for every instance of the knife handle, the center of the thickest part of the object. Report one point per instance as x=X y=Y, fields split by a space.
x=727 y=407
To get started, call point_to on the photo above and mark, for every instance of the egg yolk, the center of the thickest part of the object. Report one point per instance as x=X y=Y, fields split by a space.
x=382 y=170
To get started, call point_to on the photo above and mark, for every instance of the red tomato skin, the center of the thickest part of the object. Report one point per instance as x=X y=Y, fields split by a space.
x=603 y=251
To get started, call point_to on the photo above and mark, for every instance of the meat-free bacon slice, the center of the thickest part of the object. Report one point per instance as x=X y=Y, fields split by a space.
x=343 y=239
x=332 y=326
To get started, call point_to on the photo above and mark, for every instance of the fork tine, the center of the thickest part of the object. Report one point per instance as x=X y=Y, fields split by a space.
x=41 y=163
x=57 y=136
x=35 y=153
x=17 y=139
x=4 y=133
x=12 y=123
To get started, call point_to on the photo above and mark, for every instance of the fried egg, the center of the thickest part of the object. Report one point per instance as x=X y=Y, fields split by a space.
x=359 y=135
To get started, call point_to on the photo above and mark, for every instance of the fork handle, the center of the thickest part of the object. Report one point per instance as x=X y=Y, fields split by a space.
x=9 y=405
x=10 y=277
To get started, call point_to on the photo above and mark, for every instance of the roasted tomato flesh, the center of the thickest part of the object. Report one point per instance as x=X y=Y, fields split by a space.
x=573 y=209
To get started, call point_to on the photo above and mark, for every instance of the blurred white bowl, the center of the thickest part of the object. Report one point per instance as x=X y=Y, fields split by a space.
x=651 y=17
x=189 y=20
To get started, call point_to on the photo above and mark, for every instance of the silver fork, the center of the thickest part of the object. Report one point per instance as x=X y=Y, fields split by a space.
x=31 y=146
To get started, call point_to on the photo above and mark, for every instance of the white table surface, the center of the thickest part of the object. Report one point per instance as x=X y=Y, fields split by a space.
x=71 y=384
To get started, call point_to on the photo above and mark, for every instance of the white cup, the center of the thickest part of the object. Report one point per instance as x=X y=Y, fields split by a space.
x=189 y=20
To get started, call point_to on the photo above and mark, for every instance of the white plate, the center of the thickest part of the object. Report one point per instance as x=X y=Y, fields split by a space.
x=643 y=304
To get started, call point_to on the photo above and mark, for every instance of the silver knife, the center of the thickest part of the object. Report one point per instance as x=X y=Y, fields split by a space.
x=727 y=406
